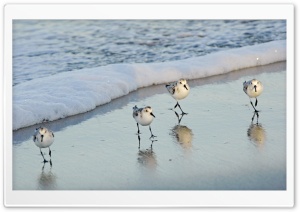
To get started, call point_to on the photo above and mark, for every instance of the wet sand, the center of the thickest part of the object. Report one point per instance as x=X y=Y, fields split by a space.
x=216 y=146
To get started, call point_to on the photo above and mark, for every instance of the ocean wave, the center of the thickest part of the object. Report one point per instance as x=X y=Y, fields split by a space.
x=70 y=93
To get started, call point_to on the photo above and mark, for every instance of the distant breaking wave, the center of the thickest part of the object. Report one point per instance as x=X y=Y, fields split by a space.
x=70 y=93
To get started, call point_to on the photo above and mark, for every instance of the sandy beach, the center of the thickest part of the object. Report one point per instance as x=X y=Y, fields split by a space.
x=216 y=146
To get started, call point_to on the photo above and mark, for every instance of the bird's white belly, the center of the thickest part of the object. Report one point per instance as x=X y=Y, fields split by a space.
x=144 y=121
x=181 y=94
x=47 y=141
x=253 y=94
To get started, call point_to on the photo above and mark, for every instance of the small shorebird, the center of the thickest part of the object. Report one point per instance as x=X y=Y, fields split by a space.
x=144 y=117
x=43 y=138
x=253 y=88
x=178 y=90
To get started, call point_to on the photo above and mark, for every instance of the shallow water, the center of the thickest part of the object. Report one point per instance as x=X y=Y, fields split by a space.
x=46 y=47
x=215 y=147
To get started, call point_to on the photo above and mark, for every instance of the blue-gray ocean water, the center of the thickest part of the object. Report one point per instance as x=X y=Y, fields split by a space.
x=45 y=47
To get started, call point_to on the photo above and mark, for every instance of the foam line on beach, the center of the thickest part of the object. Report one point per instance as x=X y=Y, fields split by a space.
x=70 y=93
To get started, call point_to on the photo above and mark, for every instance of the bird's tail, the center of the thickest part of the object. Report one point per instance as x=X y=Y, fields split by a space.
x=135 y=108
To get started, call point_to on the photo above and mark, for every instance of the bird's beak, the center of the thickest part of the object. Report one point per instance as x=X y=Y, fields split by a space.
x=255 y=88
x=185 y=87
x=152 y=115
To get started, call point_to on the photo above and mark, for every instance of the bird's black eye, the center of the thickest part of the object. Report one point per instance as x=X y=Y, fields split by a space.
x=180 y=82
x=146 y=110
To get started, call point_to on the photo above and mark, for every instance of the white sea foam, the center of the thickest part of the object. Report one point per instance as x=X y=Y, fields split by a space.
x=79 y=91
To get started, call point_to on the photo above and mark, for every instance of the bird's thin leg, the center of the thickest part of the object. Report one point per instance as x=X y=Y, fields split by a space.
x=177 y=116
x=256 y=102
x=45 y=161
x=50 y=162
x=49 y=151
x=139 y=141
x=180 y=118
x=253 y=106
x=138 y=132
x=183 y=113
x=152 y=136
x=176 y=105
x=253 y=116
x=257 y=117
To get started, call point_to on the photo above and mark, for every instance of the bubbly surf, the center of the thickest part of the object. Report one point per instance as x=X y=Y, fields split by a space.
x=69 y=93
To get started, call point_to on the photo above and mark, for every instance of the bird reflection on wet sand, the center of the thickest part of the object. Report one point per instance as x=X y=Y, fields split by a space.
x=181 y=133
x=183 y=136
x=179 y=117
x=44 y=163
x=256 y=134
x=46 y=180
x=147 y=158
x=139 y=138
